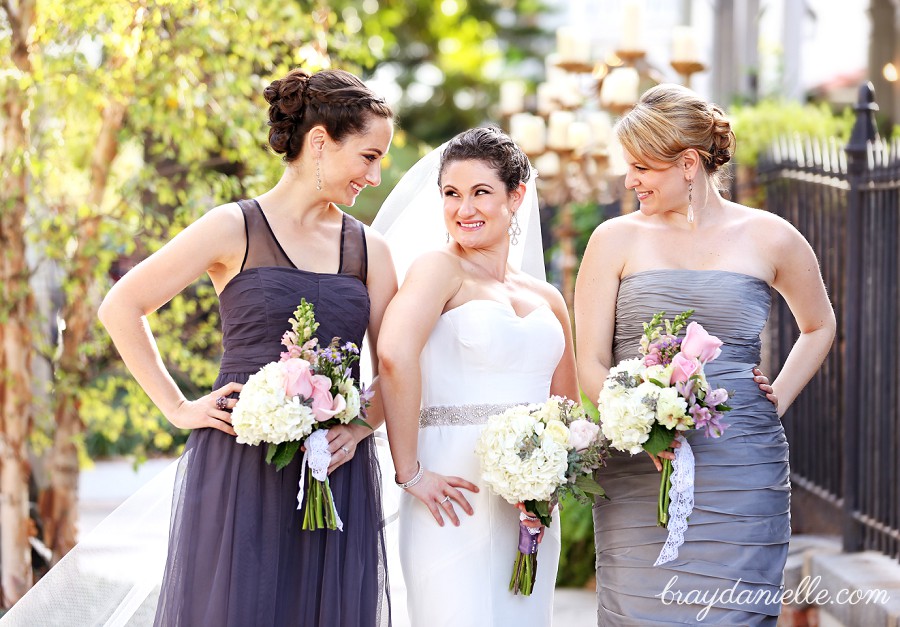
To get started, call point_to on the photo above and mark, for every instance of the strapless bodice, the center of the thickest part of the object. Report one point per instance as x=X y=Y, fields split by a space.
x=732 y=306
x=483 y=352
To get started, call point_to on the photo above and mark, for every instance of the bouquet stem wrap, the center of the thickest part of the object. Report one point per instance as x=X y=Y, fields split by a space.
x=320 y=512
x=676 y=499
x=525 y=567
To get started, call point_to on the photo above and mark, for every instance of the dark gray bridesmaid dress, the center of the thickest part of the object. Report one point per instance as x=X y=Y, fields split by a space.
x=237 y=555
x=736 y=543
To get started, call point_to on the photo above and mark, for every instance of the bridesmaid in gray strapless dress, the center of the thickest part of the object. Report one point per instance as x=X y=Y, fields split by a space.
x=690 y=248
x=740 y=525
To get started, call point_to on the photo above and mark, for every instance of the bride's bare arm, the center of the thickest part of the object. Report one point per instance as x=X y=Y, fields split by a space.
x=410 y=317
x=565 y=377
x=214 y=244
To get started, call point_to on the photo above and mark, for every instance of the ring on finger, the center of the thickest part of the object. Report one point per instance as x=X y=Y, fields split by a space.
x=222 y=403
x=346 y=450
x=445 y=499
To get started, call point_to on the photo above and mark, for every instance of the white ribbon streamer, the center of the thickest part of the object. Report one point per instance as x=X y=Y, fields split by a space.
x=681 y=501
x=318 y=458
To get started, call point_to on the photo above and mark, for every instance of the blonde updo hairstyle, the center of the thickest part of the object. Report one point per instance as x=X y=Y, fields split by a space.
x=668 y=119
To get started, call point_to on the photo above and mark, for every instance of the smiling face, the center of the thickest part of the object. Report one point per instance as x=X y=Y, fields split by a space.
x=477 y=207
x=349 y=166
x=660 y=187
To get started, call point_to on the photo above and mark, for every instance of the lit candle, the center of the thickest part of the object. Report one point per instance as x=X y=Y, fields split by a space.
x=601 y=128
x=684 y=44
x=529 y=132
x=631 y=27
x=579 y=136
x=620 y=87
x=546 y=98
x=547 y=165
x=512 y=97
x=558 y=129
x=572 y=45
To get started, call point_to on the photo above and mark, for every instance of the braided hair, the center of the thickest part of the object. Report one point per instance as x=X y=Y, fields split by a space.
x=334 y=99
x=492 y=146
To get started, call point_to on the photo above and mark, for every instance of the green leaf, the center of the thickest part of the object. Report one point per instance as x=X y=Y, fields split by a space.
x=285 y=454
x=589 y=407
x=270 y=452
x=359 y=421
x=659 y=440
x=586 y=483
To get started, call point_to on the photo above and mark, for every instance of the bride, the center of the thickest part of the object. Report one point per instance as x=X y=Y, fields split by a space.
x=468 y=335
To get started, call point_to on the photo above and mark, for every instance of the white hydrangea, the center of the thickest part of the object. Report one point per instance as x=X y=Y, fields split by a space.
x=518 y=473
x=265 y=414
x=625 y=419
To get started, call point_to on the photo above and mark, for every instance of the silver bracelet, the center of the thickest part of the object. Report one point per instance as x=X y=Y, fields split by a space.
x=416 y=478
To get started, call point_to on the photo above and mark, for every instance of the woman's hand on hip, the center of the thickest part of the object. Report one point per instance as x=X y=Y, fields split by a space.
x=212 y=411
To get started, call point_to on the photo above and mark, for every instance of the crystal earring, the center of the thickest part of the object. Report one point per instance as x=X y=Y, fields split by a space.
x=690 y=212
x=318 y=176
x=514 y=230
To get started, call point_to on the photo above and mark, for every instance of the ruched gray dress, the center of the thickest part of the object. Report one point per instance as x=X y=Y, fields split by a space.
x=736 y=543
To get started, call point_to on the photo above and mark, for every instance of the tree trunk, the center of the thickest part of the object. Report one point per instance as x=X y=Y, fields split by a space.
x=16 y=314
x=59 y=501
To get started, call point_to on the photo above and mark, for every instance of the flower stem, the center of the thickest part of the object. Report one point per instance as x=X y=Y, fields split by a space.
x=665 y=482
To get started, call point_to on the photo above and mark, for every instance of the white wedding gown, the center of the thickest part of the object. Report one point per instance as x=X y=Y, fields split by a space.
x=480 y=358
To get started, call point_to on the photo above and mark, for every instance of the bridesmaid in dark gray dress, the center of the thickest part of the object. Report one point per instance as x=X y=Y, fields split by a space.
x=237 y=555
x=689 y=248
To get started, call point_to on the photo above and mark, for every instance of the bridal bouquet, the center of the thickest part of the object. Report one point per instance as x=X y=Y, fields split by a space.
x=648 y=402
x=298 y=398
x=532 y=454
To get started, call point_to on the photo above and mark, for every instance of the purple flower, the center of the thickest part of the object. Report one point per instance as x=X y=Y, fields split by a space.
x=716 y=397
x=350 y=347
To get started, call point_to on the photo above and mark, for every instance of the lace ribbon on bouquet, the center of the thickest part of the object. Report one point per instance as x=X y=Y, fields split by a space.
x=682 y=501
x=318 y=458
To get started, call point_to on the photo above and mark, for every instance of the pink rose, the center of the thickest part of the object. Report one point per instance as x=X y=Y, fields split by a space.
x=582 y=433
x=297 y=378
x=323 y=412
x=683 y=368
x=323 y=405
x=699 y=344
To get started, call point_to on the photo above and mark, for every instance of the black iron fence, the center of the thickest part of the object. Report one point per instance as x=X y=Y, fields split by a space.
x=844 y=429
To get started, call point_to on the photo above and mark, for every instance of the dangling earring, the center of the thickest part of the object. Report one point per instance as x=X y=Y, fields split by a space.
x=690 y=214
x=514 y=230
x=318 y=176
x=448 y=237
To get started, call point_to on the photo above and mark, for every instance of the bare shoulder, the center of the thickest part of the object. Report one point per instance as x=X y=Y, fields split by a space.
x=614 y=228
x=376 y=244
x=440 y=265
x=227 y=220
x=545 y=290
x=768 y=229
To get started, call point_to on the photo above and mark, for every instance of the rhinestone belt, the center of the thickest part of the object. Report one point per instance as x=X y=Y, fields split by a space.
x=477 y=414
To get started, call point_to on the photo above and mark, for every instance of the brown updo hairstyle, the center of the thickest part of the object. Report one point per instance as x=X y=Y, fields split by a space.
x=668 y=119
x=334 y=99
x=492 y=146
